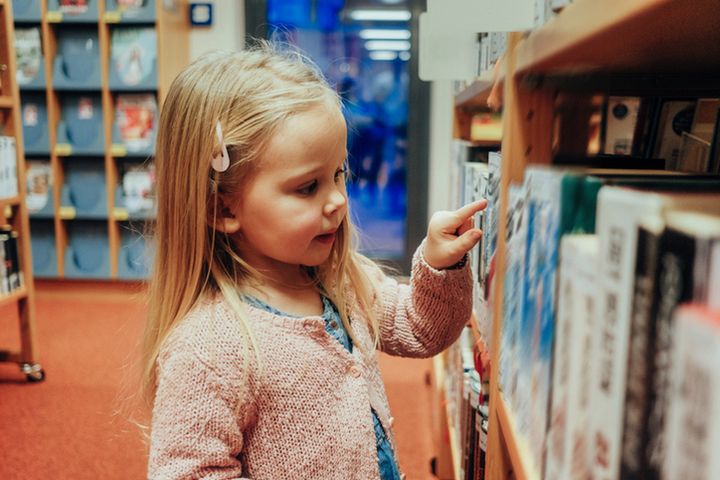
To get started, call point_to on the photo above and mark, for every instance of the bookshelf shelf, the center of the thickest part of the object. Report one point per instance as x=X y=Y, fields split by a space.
x=625 y=35
x=10 y=298
x=664 y=47
x=476 y=94
x=9 y=202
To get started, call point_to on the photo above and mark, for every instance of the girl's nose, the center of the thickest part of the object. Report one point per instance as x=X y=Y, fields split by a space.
x=336 y=201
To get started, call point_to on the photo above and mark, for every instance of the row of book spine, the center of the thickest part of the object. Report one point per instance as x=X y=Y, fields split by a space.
x=587 y=346
x=11 y=275
x=8 y=168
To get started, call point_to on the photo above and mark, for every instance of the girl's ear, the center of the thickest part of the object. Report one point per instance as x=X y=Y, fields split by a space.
x=223 y=218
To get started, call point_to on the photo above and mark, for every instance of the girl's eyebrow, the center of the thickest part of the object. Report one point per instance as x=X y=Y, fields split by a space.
x=302 y=174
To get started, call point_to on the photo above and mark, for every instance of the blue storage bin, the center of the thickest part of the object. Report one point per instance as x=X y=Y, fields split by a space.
x=136 y=254
x=145 y=13
x=77 y=61
x=84 y=189
x=42 y=243
x=27 y=11
x=80 y=130
x=58 y=14
x=88 y=251
x=30 y=63
x=35 y=124
x=133 y=59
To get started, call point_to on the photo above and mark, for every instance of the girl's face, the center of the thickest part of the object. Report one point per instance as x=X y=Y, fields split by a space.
x=293 y=203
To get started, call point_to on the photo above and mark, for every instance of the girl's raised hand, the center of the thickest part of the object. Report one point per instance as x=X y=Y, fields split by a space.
x=451 y=234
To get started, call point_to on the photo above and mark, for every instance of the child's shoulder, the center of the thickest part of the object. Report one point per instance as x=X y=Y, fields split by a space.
x=209 y=328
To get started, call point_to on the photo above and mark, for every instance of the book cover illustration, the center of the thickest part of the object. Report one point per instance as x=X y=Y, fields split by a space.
x=138 y=186
x=133 y=54
x=28 y=54
x=39 y=181
x=676 y=117
x=73 y=7
x=136 y=118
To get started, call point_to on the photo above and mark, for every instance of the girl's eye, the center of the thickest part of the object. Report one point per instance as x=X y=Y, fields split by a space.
x=309 y=188
x=340 y=173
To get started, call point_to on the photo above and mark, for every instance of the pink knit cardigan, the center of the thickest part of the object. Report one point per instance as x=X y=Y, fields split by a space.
x=303 y=412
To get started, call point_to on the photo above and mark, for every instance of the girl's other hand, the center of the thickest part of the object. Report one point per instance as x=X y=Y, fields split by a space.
x=451 y=234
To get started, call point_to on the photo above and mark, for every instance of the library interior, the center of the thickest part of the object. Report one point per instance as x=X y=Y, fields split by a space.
x=238 y=236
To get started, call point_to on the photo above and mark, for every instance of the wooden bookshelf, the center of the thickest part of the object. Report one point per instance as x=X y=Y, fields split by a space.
x=170 y=23
x=13 y=210
x=642 y=39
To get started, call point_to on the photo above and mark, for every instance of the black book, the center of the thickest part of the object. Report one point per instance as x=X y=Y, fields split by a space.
x=685 y=247
x=642 y=332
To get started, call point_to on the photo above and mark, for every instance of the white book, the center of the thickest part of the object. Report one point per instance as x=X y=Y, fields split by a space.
x=692 y=430
x=620 y=211
x=567 y=454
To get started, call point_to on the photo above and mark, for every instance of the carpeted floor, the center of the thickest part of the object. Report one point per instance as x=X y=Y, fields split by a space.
x=75 y=425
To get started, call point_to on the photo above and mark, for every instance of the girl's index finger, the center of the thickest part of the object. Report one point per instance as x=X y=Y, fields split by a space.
x=466 y=211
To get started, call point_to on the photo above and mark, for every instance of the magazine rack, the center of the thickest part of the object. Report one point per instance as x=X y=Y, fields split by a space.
x=77 y=63
x=13 y=210
x=35 y=124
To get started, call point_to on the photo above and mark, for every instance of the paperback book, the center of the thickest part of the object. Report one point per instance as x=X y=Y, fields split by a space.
x=39 y=182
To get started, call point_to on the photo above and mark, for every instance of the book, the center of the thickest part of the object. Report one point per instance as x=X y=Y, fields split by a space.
x=620 y=210
x=621 y=114
x=8 y=168
x=676 y=117
x=682 y=276
x=568 y=440
x=693 y=424
x=136 y=118
x=134 y=51
x=39 y=181
x=73 y=7
x=28 y=54
x=138 y=188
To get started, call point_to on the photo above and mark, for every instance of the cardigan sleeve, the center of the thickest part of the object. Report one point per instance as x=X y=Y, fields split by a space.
x=197 y=423
x=425 y=317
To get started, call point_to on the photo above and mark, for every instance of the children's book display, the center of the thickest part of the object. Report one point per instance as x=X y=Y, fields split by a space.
x=137 y=191
x=133 y=64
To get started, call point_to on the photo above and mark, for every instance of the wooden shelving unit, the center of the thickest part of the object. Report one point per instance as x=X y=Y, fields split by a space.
x=629 y=37
x=170 y=23
x=13 y=210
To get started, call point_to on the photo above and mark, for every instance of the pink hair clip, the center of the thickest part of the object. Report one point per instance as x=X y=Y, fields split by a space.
x=220 y=162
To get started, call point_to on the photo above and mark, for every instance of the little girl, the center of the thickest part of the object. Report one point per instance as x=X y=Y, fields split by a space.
x=259 y=350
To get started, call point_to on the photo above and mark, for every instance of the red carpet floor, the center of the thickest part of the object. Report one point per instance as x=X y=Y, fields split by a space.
x=75 y=425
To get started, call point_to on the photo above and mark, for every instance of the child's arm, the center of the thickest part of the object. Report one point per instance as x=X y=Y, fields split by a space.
x=198 y=421
x=425 y=317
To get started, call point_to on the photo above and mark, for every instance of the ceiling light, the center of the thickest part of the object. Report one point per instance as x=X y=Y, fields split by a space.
x=384 y=34
x=382 y=55
x=381 y=15
x=394 y=45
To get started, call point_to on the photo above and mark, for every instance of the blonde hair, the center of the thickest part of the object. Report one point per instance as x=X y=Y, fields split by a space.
x=250 y=93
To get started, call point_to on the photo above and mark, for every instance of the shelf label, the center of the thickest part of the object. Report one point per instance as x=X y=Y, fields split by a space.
x=113 y=17
x=67 y=213
x=54 y=17
x=63 y=149
x=120 y=214
x=118 y=150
